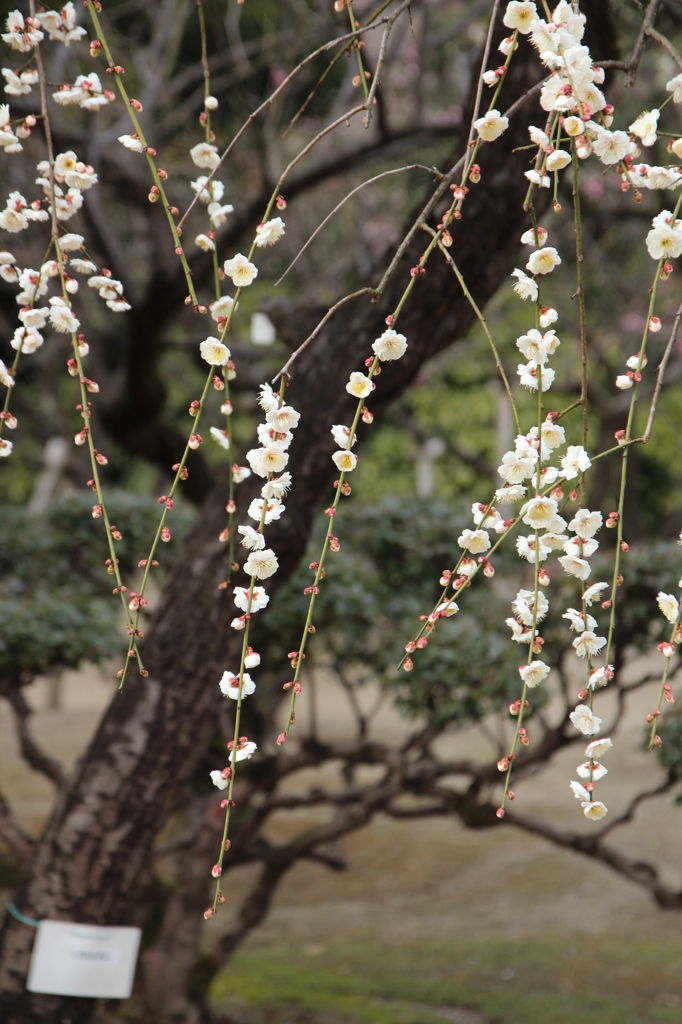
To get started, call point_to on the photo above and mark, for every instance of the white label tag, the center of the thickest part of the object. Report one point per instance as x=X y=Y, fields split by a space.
x=83 y=960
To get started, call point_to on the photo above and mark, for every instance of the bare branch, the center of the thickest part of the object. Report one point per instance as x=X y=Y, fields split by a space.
x=661 y=371
x=647 y=23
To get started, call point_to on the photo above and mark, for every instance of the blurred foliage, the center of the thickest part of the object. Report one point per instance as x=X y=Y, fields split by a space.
x=56 y=606
x=386 y=576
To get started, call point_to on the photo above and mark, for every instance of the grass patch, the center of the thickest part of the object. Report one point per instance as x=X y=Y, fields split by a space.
x=548 y=980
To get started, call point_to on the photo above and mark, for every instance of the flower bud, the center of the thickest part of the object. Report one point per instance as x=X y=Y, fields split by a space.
x=408 y=665
x=216 y=871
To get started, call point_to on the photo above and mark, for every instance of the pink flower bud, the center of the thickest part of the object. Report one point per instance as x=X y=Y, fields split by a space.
x=216 y=871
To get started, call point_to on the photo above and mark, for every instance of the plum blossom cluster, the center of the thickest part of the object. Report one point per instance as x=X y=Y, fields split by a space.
x=268 y=461
x=671 y=608
x=10 y=138
x=591 y=771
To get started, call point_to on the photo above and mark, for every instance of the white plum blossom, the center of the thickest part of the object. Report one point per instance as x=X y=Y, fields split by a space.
x=585 y=721
x=221 y=437
x=131 y=142
x=645 y=127
x=575 y=566
x=541 y=180
x=390 y=345
x=592 y=768
x=217 y=212
x=579 y=791
x=536 y=346
x=261 y=564
x=252 y=540
x=221 y=307
x=578 y=622
x=573 y=126
x=240 y=271
x=553 y=435
x=598 y=679
x=588 y=645
x=229 y=685
x=557 y=160
x=22 y=35
x=341 y=435
x=538 y=512
x=519 y=16
x=19 y=85
x=527 y=548
x=611 y=147
x=675 y=87
x=276 y=488
x=210 y=192
x=205 y=155
x=61 y=317
x=525 y=287
x=345 y=461
x=359 y=385
x=528 y=237
x=533 y=674
x=491 y=125
x=6 y=377
x=273 y=511
x=585 y=523
x=539 y=137
x=595 y=810
x=548 y=316
x=475 y=541
x=259 y=598
x=543 y=261
x=523 y=606
x=597 y=748
x=512 y=492
x=212 y=351
x=664 y=241
x=244 y=751
x=593 y=593
x=529 y=375
x=574 y=462
x=218 y=780
x=669 y=605
x=26 y=341
x=517 y=467
x=270 y=232
x=267 y=460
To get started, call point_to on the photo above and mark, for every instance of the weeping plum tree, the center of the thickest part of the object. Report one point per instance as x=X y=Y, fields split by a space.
x=144 y=281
